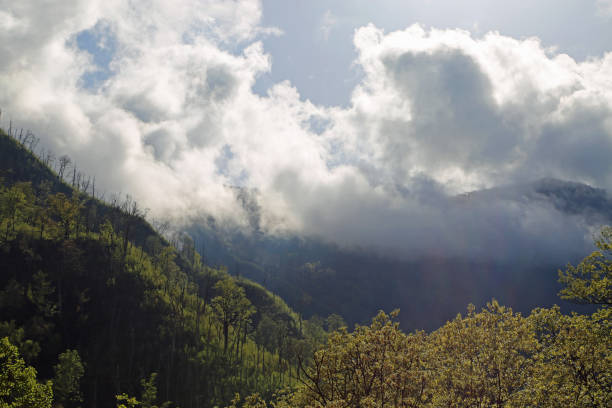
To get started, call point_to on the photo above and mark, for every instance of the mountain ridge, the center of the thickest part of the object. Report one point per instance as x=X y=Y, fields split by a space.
x=303 y=269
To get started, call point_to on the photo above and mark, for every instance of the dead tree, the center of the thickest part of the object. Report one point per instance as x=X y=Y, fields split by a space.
x=64 y=162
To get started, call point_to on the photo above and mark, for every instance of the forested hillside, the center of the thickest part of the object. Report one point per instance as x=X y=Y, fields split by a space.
x=103 y=306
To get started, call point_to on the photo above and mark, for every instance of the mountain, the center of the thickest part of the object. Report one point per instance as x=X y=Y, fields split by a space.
x=571 y=198
x=316 y=277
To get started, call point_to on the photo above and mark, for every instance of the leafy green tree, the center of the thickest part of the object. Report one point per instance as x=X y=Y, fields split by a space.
x=313 y=331
x=574 y=364
x=374 y=366
x=231 y=307
x=66 y=211
x=18 y=385
x=28 y=348
x=15 y=205
x=125 y=401
x=149 y=392
x=39 y=293
x=67 y=380
x=334 y=322
x=591 y=280
x=482 y=359
x=148 y=395
x=252 y=401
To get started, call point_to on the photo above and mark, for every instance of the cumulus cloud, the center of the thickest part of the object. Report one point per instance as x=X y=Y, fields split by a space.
x=175 y=123
x=476 y=112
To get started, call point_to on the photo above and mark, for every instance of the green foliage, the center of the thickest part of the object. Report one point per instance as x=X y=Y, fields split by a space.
x=14 y=208
x=232 y=308
x=493 y=358
x=148 y=395
x=125 y=401
x=573 y=366
x=483 y=359
x=39 y=294
x=252 y=401
x=334 y=322
x=149 y=391
x=375 y=365
x=28 y=348
x=18 y=385
x=66 y=382
x=66 y=211
x=591 y=280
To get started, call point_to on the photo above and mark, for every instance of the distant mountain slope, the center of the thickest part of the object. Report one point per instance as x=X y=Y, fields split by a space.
x=316 y=277
x=571 y=198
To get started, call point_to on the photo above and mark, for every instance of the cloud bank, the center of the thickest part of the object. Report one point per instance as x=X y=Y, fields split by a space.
x=155 y=98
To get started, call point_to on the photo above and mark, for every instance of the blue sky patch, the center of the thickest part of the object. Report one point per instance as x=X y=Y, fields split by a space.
x=101 y=43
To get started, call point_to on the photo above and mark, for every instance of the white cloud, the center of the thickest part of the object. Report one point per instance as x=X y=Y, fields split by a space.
x=438 y=111
x=477 y=112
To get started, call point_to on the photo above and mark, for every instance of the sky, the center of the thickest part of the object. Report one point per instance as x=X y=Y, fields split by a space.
x=356 y=121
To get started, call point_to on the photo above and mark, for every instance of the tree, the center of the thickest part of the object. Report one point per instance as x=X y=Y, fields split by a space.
x=231 y=307
x=591 y=281
x=334 y=322
x=66 y=211
x=131 y=213
x=14 y=206
x=66 y=383
x=482 y=359
x=573 y=366
x=375 y=366
x=28 y=348
x=148 y=396
x=18 y=385
x=252 y=401
x=39 y=293
x=64 y=162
